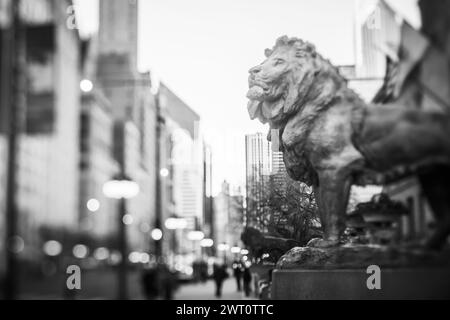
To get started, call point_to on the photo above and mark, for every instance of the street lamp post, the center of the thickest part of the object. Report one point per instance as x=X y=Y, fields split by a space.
x=14 y=40
x=223 y=247
x=206 y=245
x=173 y=224
x=122 y=188
x=123 y=248
x=158 y=186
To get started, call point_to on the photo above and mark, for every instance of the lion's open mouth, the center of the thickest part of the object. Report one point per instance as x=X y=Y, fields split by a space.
x=257 y=82
x=256 y=93
x=266 y=102
x=259 y=107
x=259 y=90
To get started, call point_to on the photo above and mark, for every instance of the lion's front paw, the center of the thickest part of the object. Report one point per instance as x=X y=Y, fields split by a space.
x=322 y=243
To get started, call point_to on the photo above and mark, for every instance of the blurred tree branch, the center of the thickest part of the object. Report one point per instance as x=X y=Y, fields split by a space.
x=282 y=207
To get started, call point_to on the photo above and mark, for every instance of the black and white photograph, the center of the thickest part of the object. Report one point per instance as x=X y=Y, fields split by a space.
x=236 y=153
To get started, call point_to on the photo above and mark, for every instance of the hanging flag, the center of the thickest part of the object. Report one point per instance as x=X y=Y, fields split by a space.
x=37 y=12
x=41 y=78
x=413 y=46
x=5 y=13
x=5 y=63
x=434 y=80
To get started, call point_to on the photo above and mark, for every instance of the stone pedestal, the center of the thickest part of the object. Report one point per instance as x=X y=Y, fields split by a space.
x=429 y=283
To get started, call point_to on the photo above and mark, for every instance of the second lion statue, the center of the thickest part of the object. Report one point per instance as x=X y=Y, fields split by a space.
x=332 y=139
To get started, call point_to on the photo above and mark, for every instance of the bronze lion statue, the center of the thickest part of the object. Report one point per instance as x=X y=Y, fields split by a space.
x=332 y=139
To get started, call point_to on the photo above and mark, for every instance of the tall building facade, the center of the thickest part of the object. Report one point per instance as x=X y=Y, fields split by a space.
x=131 y=108
x=278 y=173
x=47 y=163
x=375 y=35
x=119 y=120
x=186 y=155
x=228 y=216
x=379 y=33
x=96 y=165
x=258 y=155
x=182 y=161
x=118 y=31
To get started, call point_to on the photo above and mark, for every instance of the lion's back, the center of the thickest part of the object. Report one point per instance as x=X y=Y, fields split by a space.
x=399 y=141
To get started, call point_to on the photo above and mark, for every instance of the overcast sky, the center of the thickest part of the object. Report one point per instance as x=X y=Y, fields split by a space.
x=202 y=49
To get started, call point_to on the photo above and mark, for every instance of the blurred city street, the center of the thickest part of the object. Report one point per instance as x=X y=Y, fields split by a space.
x=96 y=285
x=130 y=167
x=102 y=285
x=204 y=291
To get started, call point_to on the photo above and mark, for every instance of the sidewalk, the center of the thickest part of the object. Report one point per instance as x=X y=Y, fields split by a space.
x=102 y=285
x=205 y=291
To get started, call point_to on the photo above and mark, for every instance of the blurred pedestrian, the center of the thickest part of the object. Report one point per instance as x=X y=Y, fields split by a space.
x=220 y=274
x=150 y=283
x=203 y=271
x=167 y=281
x=247 y=277
x=196 y=270
x=237 y=272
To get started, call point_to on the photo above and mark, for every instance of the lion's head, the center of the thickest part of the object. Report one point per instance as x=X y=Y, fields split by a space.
x=281 y=84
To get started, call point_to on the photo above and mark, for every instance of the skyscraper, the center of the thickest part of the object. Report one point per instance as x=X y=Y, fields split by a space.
x=96 y=165
x=117 y=58
x=258 y=155
x=228 y=216
x=118 y=31
x=278 y=172
x=131 y=109
x=376 y=32
x=183 y=161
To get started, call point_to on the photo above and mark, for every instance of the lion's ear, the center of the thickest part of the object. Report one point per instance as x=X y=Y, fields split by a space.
x=305 y=49
x=310 y=47
x=267 y=52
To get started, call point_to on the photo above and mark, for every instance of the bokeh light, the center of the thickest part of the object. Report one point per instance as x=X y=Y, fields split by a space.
x=86 y=85
x=235 y=250
x=16 y=244
x=93 y=205
x=128 y=219
x=80 y=251
x=207 y=243
x=157 y=234
x=101 y=253
x=223 y=247
x=244 y=252
x=175 y=223
x=195 y=235
x=164 y=172
x=121 y=189
x=52 y=248
x=134 y=257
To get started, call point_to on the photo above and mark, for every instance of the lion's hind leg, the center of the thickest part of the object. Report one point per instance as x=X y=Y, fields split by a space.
x=436 y=187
